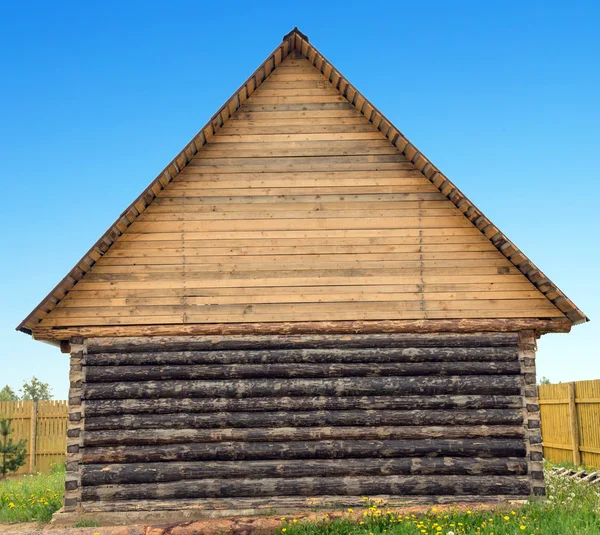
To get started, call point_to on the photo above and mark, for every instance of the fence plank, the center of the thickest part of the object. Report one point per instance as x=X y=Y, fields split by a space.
x=570 y=413
x=48 y=431
x=574 y=424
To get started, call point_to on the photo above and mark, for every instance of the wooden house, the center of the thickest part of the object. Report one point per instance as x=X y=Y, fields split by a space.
x=300 y=309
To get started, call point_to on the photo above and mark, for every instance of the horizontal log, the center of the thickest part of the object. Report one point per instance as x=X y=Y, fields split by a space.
x=468 y=325
x=110 y=474
x=106 y=374
x=210 y=507
x=300 y=356
x=184 y=436
x=307 y=341
x=104 y=407
x=355 y=386
x=223 y=420
x=311 y=486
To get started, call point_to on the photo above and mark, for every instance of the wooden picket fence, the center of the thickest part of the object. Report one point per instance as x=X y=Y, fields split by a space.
x=570 y=419
x=44 y=426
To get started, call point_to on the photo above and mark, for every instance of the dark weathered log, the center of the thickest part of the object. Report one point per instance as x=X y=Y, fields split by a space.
x=304 y=419
x=314 y=449
x=311 y=486
x=101 y=407
x=183 y=436
x=297 y=356
x=306 y=341
x=355 y=386
x=508 y=325
x=106 y=374
x=107 y=474
x=208 y=507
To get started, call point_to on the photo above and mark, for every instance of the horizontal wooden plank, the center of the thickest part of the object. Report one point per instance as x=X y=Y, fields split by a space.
x=227 y=137
x=296 y=149
x=173 y=249
x=355 y=386
x=306 y=198
x=347 y=162
x=273 y=90
x=297 y=403
x=188 y=316
x=304 y=419
x=259 y=113
x=385 y=308
x=359 y=485
x=279 y=292
x=297 y=328
x=278 y=244
x=165 y=372
x=454 y=355
x=300 y=263
x=105 y=474
x=297 y=127
x=314 y=234
x=306 y=182
x=290 y=261
x=419 y=222
x=283 y=504
x=82 y=299
x=313 y=190
x=495 y=447
x=407 y=274
x=233 y=282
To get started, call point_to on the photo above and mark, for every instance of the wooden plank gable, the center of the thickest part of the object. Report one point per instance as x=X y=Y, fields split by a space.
x=299 y=201
x=299 y=208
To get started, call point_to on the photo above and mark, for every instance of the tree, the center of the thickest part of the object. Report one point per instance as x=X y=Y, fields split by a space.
x=36 y=390
x=544 y=381
x=12 y=455
x=8 y=394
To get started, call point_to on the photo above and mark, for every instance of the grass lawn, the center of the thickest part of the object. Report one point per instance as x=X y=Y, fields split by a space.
x=31 y=497
x=571 y=509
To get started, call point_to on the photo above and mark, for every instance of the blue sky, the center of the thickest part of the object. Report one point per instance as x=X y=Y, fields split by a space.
x=97 y=97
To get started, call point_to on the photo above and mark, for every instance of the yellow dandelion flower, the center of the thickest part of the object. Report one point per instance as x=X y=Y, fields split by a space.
x=506 y=517
x=11 y=505
x=283 y=530
x=351 y=510
x=522 y=528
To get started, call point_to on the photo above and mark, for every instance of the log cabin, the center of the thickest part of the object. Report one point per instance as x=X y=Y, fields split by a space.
x=300 y=310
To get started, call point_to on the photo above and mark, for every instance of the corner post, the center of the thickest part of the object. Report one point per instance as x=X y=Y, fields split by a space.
x=531 y=407
x=72 y=497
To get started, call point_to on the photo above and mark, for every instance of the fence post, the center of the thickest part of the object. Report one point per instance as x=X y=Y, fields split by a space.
x=33 y=435
x=574 y=425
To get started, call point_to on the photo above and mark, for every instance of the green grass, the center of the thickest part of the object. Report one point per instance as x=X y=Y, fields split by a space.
x=32 y=497
x=571 y=509
x=86 y=524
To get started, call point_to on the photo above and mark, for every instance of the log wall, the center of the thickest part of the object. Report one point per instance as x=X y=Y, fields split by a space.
x=238 y=422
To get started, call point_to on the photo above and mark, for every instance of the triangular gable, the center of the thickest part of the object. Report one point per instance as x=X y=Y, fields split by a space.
x=298 y=44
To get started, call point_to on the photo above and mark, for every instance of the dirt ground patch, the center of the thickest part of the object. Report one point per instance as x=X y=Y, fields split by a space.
x=262 y=525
